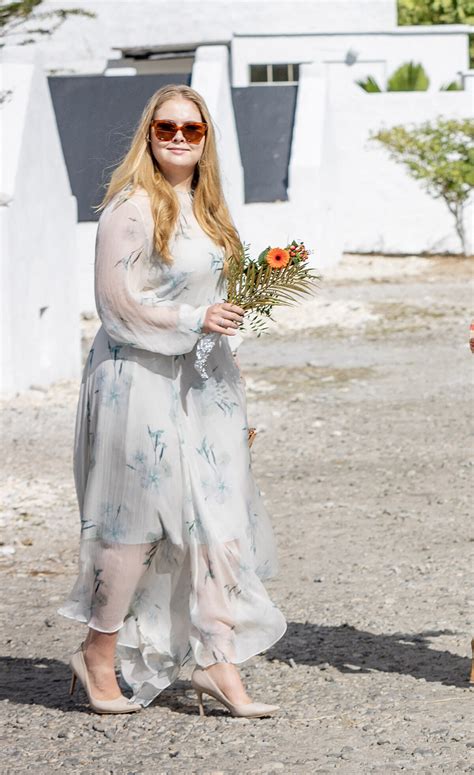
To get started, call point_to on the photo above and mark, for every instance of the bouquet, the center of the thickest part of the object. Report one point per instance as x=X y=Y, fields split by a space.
x=278 y=277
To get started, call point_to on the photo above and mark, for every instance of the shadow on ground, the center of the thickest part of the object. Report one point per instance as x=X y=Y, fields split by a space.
x=350 y=650
x=46 y=681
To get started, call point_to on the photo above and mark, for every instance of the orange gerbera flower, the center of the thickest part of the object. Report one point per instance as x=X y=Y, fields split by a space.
x=278 y=258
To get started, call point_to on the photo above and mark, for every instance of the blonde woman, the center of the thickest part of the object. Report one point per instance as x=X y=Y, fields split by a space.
x=175 y=540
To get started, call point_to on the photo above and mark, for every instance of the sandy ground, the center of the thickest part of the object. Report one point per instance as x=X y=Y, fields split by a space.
x=363 y=403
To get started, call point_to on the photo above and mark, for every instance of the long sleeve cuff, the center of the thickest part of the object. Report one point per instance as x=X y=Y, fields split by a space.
x=191 y=319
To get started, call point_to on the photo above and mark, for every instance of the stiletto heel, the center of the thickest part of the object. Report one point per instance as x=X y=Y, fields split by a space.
x=203 y=684
x=73 y=683
x=79 y=670
x=201 y=706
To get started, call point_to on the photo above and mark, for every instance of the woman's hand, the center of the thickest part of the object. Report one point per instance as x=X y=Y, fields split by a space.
x=223 y=318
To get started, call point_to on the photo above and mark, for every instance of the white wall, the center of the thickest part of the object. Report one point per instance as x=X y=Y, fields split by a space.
x=40 y=305
x=84 y=45
x=442 y=50
x=382 y=208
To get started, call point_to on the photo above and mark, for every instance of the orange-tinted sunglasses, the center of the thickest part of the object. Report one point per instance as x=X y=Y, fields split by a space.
x=193 y=131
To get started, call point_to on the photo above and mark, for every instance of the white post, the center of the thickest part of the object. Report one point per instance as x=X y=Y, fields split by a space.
x=313 y=188
x=211 y=79
x=40 y=302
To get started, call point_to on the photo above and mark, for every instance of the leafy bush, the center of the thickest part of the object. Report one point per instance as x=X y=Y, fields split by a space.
x=408 y=77
x=440 y=154
x=435 y=12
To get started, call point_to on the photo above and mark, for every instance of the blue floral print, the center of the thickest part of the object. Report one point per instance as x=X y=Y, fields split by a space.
x=175 y=539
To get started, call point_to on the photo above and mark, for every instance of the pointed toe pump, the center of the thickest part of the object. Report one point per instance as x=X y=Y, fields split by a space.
x=202 y=683
x=79 y=670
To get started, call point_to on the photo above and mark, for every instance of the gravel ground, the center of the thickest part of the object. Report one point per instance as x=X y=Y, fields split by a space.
x=363 y=459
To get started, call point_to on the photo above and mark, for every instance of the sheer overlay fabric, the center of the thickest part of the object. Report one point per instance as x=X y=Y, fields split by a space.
x=175 y=539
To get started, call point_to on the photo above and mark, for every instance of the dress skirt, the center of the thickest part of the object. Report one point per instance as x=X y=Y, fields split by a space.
x=175 y=540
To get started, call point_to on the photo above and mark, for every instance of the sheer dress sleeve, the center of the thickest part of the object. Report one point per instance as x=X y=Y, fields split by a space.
x=123 y=248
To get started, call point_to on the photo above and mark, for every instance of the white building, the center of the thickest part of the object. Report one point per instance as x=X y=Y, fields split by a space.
x=272 y=71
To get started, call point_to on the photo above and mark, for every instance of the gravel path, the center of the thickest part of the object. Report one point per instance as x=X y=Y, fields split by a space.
x=363 y=458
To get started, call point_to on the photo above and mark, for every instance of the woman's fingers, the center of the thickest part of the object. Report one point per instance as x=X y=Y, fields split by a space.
x=233 y=308
x=233 y=320
x=224 y=318
x=233 y=313
x=224 y=329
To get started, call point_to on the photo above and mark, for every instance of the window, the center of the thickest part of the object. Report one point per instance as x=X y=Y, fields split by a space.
x=279 y=73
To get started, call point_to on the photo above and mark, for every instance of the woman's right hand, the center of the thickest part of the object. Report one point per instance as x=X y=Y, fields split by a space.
x=223 y=318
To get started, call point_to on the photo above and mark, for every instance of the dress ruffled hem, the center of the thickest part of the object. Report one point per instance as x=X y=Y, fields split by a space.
x=147 y=671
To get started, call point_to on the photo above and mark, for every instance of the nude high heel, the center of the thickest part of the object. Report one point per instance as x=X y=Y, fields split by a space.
x=202 y=682
x=79 y=670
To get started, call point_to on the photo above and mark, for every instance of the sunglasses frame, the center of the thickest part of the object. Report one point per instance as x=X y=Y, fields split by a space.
x=201 y=124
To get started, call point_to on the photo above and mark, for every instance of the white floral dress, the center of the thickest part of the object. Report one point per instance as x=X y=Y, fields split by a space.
x=175 y=539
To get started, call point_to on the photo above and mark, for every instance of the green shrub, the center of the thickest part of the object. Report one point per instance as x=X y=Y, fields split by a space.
x=408 y=77
x=440 y=154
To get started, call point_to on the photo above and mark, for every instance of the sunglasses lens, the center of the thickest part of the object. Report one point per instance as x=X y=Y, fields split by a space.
x=193 y=133
x=165 y=130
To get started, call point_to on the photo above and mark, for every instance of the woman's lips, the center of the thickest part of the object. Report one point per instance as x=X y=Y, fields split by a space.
x=178 y=151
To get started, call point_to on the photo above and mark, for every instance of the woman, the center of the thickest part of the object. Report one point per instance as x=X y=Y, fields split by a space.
x=175 y=540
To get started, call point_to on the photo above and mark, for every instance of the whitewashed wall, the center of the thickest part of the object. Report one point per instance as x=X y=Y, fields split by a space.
x=82 y=45
x=443 y=51
x=381 y=208
x=40 y=339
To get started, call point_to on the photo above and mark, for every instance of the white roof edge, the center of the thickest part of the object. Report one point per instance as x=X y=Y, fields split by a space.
x=421 y=29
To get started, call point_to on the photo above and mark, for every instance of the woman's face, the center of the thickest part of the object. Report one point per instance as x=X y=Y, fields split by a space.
x=177 y=158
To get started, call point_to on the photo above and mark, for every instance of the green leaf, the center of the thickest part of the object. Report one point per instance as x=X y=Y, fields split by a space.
x=369 y=85
x=409 y=77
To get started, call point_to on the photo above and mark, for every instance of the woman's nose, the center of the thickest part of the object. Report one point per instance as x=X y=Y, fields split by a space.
x=179 y=137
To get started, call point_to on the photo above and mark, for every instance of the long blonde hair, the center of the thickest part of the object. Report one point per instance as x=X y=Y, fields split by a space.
x=139 y=168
